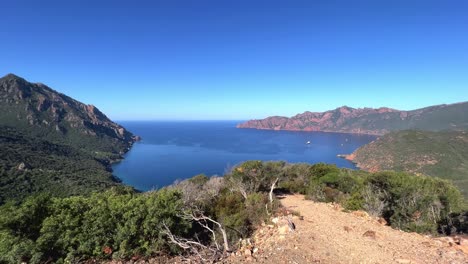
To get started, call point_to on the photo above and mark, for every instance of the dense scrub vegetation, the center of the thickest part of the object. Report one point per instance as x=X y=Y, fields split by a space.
x=122 y=224
x=31 y=165
x=209 y=215
x=51 y=142
x=406 y=201
x=439 y=154
x=117 y=223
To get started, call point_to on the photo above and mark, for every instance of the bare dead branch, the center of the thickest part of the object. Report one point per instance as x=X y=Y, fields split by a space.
x=271 y=190
x=182 y=242
x=194 y=247
x=200 y=217
x=205 y=225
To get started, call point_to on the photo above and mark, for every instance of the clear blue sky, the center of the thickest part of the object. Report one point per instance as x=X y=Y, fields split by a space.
x=239 y=59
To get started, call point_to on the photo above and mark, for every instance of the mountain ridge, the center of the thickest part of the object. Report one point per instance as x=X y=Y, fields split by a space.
x=35 y=106
x=374 y=121
x=53 y=143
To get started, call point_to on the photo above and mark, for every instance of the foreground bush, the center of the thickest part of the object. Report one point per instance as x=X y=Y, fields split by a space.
x=408 y=202
x=217 y=198
x=114 y=224
x=121 y=224
x=215 y=212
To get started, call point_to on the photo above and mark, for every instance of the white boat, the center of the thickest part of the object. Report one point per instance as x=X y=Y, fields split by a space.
x=308 y=142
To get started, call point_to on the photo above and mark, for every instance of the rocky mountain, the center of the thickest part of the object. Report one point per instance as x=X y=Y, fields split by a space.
x=439 y=154
x=36 y=109
x=369 y=121
x=52 y=143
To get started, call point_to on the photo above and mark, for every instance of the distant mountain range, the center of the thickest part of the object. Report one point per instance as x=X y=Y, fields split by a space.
x=370 y=121
x=51 y=142
x=440 y=154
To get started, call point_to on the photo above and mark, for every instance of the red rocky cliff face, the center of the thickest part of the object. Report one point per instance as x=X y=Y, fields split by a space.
x=334 y=120
x=363 y=120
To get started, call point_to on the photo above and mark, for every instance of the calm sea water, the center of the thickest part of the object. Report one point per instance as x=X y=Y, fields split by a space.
x=178 y=150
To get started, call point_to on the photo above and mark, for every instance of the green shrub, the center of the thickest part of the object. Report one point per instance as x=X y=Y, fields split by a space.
x=354 y=202
x=315 y=192
x=231 y=212
x=293 y=186
x=104 y=225
x=295 y=177
x=256 y=208
x=374 y=200
x=416 y=203
x=321 y=169
x=408 y=202
x=199 y=179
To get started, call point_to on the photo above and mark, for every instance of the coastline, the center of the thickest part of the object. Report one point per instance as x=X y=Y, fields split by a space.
x=369 y=133
x=351 y=158
x=112 y=161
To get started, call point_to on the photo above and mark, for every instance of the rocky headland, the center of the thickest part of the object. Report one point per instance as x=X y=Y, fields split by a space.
x=369 y=120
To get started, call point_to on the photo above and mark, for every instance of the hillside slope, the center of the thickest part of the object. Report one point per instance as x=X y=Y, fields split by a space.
x=369 y=121
x=52 y=143
x=328 y=235
x=37 y=110
x=31 y=165
x=439 y=154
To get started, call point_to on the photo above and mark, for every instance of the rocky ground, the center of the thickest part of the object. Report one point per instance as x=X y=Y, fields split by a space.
x=325 y=234
x=310 y=232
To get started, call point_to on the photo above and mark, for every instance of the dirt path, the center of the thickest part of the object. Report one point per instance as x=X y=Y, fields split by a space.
x=328 y=235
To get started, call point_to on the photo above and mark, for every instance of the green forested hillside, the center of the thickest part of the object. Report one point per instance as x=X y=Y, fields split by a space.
x=439 y=154
x=52 y=143
x=34 y=109
x=30 y=164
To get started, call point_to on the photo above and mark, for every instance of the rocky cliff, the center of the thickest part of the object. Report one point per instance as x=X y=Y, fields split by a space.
x=34 y=108
x=369 y=121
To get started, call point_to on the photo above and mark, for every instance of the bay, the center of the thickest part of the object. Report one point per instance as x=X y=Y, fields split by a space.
x=175 y=150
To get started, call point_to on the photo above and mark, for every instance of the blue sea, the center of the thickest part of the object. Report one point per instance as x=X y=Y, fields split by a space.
x=172 y=150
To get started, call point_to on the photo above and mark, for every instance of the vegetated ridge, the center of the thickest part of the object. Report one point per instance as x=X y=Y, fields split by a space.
x=440 y=154
x=369 y=121
x=51 y=142
x=208 y=219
